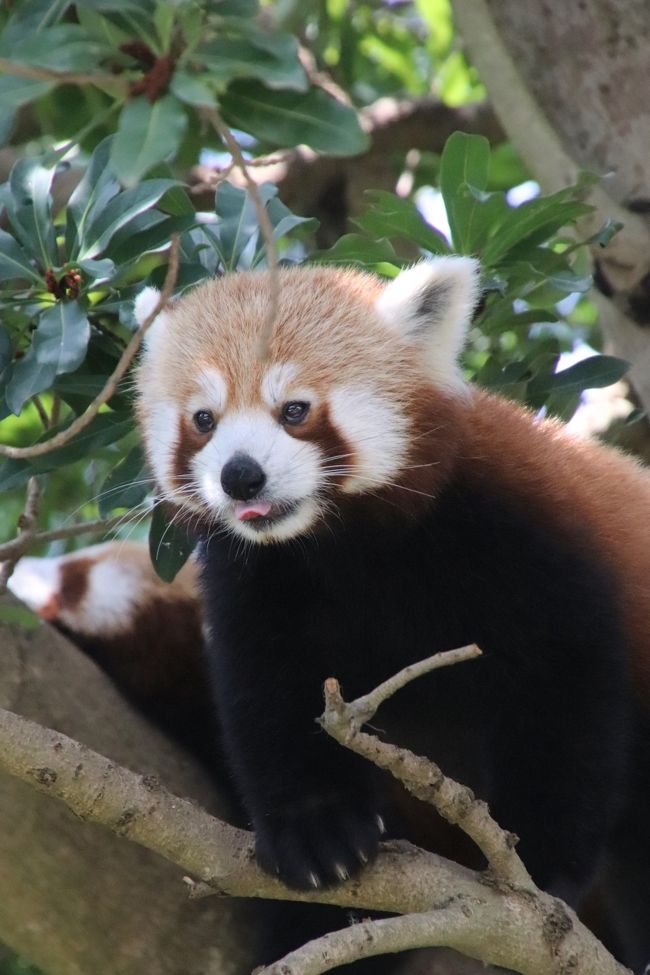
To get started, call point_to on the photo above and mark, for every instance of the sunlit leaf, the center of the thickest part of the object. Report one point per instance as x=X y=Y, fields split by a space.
x=288 y=118
x=355 y=249
x=393 y=217
x=464 y=165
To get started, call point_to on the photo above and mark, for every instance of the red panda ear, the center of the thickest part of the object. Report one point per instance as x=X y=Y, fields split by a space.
x=144 y=304
x=431 y=304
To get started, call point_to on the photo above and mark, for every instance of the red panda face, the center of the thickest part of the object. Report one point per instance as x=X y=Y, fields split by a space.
x=267 y=447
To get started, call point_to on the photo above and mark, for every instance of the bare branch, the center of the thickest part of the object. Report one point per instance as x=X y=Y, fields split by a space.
x=534 y=936
x=42 y=412
x=364 y=708
x=524 y=930
x=425 y=780
x=61 y=77
x=21 y=544
x=26 y=531
x=139 y=808
x=81 y=422
x=265 y=227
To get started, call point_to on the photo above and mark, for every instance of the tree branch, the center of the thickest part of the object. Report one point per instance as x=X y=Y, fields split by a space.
x=516 y=927
x=425 y=780
x=129 y=353
x=21 y=544
x=60 y=77
x=264 y=222
x=26 y=532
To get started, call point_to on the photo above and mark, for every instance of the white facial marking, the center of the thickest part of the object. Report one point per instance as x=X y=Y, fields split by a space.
x=275 y=381
x=161 y=424
x=291 y=466
x=376 y=431
x=213 y=391
x=144 y=305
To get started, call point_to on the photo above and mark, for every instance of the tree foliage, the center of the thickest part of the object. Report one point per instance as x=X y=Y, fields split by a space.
x=122 y=92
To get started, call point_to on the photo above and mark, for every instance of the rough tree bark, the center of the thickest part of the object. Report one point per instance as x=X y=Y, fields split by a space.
x=569 y=83
x=74 y=898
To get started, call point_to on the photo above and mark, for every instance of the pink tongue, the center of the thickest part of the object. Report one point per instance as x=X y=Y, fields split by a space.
x=245 y=510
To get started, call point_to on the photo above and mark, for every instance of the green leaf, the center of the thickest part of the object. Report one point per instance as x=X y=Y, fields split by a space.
x=543 y=217
x=62 y=335
x=169 y=545
x=15 y=91
x=289 y=118
x=14 y=263
x=356 y=249
x=133 y=244
x=163 y=19
x=193 y=89
x=119 y=212
x=464 y=163
x=29 y=377
x=64 y=47
x=146 y=134
x=595 y=372
x=29 y=208
x=127 y=485
x=59 y=345
x=106 y=428
x=227 y=58
x=98 y=271
x=392 y=216
x=90 y=197
x=237 y=220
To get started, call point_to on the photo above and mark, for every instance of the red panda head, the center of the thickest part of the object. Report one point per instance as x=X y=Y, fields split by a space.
x=355 y=396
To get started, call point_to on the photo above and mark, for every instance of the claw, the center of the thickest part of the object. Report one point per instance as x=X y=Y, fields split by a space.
x=341 y=872
x=363 y=857
x=381 y=825
x=314 y=879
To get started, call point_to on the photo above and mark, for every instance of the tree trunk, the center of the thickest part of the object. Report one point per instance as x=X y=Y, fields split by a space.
x=569 y=83
x=74 y=898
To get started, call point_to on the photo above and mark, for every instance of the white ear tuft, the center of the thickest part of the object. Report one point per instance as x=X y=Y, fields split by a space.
x=431 y=303
x=144 y=304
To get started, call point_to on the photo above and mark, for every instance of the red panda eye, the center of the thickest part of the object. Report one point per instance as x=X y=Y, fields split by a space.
x=203 y=421
x=294 y=412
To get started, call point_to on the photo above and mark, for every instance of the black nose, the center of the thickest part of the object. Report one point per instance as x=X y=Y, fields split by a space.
x=242 y=477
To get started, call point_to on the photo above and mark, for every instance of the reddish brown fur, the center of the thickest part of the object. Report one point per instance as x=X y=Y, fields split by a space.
x=585 y=490
x=327 y=325
x=74 y=582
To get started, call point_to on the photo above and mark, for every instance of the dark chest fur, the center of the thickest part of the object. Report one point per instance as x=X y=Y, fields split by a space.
x=369 y=595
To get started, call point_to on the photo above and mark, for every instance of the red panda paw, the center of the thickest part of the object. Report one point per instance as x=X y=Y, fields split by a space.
x=319 y=846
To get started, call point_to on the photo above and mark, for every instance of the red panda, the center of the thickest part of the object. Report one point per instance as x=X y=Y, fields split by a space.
x=146 y=634
x=359 y=507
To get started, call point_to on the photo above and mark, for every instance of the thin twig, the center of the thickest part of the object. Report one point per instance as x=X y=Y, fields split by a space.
x=60 y=77
x=19 y=545
x=422 y=777
x=42 y=412
x=265 y=227
x=26 y=531
x=62 y=438
x=365 y=707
